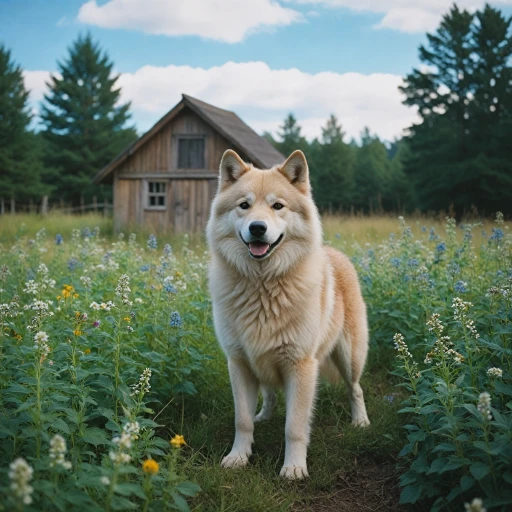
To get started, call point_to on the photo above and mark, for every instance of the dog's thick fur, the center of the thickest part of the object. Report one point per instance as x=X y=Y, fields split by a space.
x=285 y=316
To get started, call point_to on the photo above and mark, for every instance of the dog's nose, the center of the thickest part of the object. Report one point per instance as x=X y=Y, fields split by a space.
x=257 y=228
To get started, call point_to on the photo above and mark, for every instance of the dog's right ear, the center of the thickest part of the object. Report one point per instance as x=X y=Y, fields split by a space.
x=231 y=168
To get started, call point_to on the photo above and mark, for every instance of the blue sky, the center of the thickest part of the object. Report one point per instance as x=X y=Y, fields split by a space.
x=260 y=58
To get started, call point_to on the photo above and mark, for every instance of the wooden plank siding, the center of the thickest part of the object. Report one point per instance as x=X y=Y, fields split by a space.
x=189 y=192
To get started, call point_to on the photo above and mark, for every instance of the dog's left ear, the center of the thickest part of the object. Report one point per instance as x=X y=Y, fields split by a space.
x=231 y=168
x=296 y=170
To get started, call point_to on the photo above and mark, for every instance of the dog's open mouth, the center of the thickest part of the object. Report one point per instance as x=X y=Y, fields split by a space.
x=259 y=249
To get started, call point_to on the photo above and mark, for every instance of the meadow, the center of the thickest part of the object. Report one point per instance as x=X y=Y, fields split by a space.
x=114 y=394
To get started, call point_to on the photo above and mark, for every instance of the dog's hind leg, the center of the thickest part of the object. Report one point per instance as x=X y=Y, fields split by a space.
x=349 y=356
x=269 y=402
x=245 y=393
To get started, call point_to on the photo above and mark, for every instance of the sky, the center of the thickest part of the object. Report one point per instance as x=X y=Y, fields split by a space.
x=260 y=58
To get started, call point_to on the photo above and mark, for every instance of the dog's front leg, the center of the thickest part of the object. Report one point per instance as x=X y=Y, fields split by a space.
x=300 y=389
x=245 y=393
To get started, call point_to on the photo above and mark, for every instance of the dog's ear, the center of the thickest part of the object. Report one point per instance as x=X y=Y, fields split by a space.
x=296 y=170
x=231 y=168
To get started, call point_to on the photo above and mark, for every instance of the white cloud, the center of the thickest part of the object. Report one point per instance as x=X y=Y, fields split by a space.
x=405 y=15
x=264 y=96
x=223 y=20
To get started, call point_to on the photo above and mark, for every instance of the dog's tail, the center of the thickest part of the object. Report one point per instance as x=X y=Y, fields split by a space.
x=329 y=371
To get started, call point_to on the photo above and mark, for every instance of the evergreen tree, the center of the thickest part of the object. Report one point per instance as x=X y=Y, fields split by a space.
x=291 y=138
x=332 y=174
x=85 y=124
x=20 y=167
x=460 y=153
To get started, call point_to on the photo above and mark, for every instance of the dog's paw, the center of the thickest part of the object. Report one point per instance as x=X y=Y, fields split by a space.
x=235 y=460
x=361 y=422
x=263 y=415
x=294 y=472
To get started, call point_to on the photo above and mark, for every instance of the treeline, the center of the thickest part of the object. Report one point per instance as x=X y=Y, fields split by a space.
x=458 y=155
x=82 y=127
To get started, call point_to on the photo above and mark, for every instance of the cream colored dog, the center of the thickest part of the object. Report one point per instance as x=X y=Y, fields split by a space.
x=285 y=307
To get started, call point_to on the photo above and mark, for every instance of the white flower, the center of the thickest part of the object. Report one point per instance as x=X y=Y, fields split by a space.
x=105 y=480
x=41 y=337
x=495 y=372
x=400 y=345
x=58 y=451
x=477 y=505
x=484 y=405
x=138 y=300
x=95 y=306
x=143 y=385
x=20 y=474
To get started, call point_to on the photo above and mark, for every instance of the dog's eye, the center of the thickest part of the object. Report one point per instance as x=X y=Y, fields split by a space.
x=245 y=205
x=277 y=206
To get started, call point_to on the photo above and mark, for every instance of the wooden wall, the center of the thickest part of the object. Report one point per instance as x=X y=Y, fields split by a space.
x=188 y=198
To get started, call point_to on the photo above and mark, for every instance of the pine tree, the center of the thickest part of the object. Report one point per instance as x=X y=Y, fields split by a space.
x=20 y=167
x=291 y=138
x=85 y=124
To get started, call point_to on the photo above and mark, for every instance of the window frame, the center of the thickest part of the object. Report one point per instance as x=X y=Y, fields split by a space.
x=147 y=194
x=175 y=152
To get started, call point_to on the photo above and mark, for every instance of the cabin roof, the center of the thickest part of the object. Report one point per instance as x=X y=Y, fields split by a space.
x=258 y=149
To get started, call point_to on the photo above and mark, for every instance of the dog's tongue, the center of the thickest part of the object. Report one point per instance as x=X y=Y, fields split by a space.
x=258 y=248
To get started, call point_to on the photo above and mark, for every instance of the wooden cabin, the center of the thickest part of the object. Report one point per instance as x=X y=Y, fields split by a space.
x=166 y=180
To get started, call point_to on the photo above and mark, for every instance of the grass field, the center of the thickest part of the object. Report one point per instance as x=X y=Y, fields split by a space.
x=81 y=387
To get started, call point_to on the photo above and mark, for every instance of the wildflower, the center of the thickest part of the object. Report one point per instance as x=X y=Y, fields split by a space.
x=389 y=398
x=20 y=474
x=96 y=323
x=453 y=269
x=497 y=234
x=77 y=332
x=41 y=337
x=477 y=505
x=105 y=480
x=495 y=372
x=167 y=251
x=58 y=239
x=75 y=296
x=87 y=351
x=86 y=281
x=143 y=385
x=72 y=264
x=484 y=405
x=95 y=306
x=175 y=320
x=395 y=262
x=152 y=242
x=413 y=262
x=123 y=289
x=58 y=451
x=138 y=300
x=150 y=467
x=177 y=441
x=169 y=288
x=106 y=306
x=441 y=247
x=432 y=236
x=400 y=345
x=40 y=342
x=144 y=268
x=460 y=287
x=130 y=329
x=127 y=319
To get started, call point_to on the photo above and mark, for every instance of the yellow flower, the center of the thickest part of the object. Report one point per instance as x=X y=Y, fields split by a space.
x=68 y=287
x=75 y=296
x=87 y=351
x=127 y=319
x=150 y=466
x=66 y=293
x=177 y=441
x=178 y=273
x=77 y=314
x=59 y=297
x=77 y=332
x=18 y=337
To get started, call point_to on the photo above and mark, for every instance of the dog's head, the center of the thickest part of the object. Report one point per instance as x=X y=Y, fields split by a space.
x=263 y=219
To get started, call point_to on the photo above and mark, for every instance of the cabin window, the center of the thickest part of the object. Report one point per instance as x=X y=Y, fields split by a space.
x=156 y=195
x=191 y=153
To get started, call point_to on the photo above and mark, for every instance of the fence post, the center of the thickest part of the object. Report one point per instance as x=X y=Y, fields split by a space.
x=95 y=204
x=44 y=205
x=105 y=207
x=13 y=206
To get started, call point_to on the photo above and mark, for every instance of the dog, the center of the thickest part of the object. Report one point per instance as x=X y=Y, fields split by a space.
x=285 y=307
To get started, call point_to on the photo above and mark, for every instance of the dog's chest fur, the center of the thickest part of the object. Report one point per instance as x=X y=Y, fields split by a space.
x=271 y=321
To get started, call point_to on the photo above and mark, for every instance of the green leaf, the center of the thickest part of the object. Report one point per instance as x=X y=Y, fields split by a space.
x=180 y=502
x=188 y=488
x=61 y=425
x=479 y=470
x=95 y=436
x=411 y=494
x=466 y=482
x=127 y=489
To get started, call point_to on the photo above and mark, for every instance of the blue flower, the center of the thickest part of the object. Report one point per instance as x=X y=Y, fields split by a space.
x=395 y=262
x=72 y=264
x=169 y=288
x=167 y=250
x=497 y=234
x=389 y=398
x=441 y=247
x=453 y=269
x=413 y=262
x=175 y=320
x=58 y=239
x=367 y=280
x=144 y=268
x=423 y=229
x=371 y=253
x=432 y=235
x=152 y=243
x=86 y=233
x=460 y=287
